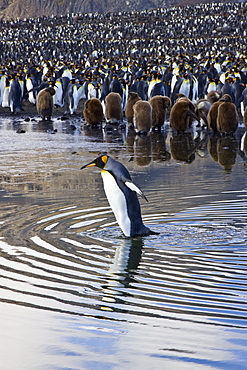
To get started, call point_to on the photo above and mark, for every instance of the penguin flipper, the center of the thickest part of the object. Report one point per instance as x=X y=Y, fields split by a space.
x=133 y=187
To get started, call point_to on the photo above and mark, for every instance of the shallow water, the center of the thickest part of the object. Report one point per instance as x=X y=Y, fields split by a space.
x=77 y=294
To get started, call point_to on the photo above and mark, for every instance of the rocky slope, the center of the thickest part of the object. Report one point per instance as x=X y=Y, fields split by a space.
x=37 y=8
x=13 y=9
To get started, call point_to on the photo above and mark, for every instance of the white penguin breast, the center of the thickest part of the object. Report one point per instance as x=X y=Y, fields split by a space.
x=185 y=88
x=117 y=201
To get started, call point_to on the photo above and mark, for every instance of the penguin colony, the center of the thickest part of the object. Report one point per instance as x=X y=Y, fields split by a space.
x=160 y=52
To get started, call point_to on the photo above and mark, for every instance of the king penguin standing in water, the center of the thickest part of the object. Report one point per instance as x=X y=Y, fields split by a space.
x=121 y=193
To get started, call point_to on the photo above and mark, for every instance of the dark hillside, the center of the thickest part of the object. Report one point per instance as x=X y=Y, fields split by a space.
x=13 y=9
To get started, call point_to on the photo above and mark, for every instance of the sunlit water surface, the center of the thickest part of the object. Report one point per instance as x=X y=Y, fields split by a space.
x=77 y=294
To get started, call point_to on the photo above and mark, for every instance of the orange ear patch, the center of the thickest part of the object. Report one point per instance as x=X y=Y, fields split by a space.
x=104 y=158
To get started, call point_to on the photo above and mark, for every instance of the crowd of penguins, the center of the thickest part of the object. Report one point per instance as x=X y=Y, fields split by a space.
x=185 y=65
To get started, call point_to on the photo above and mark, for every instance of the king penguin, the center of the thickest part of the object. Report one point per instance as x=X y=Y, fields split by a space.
x=121 y=193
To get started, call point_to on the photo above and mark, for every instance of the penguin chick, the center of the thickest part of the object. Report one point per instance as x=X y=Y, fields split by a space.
x=213 y=115
x=113 y=108
x=182 y=114
x=129 y=112
x=142 y=117
x=202 y=108
x=227 y=120
x=121 y=193
x=44 y=102
x=93 y=111
x=213 y=96
x=159 y=106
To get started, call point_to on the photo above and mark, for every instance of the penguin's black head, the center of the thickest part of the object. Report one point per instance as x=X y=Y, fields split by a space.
x=98 y=162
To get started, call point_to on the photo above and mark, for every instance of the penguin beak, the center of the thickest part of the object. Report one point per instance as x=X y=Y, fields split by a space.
x=91 y=164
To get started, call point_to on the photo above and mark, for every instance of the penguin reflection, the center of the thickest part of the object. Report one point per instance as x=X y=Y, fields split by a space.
x=202 y=147
x=139 y=147
x=142 y=150
x=114 y=133
x=223 y=150
x=95 y=133
x=45 y=126
x=212 y=147
x=183 y=148
x=227 y=149
x=130 y=141
x=123 y=269
x=159 y=150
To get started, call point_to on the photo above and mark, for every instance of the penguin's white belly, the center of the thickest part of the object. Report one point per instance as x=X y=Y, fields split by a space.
x=211 y=87
x=185 y=88
x=57 y=98
x=117 y=201
x=5 y=102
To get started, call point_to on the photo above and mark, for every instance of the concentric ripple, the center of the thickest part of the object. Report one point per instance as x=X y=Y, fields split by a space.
x=77 y=261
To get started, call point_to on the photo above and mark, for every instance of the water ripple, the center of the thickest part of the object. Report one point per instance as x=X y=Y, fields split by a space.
x=74 y=260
